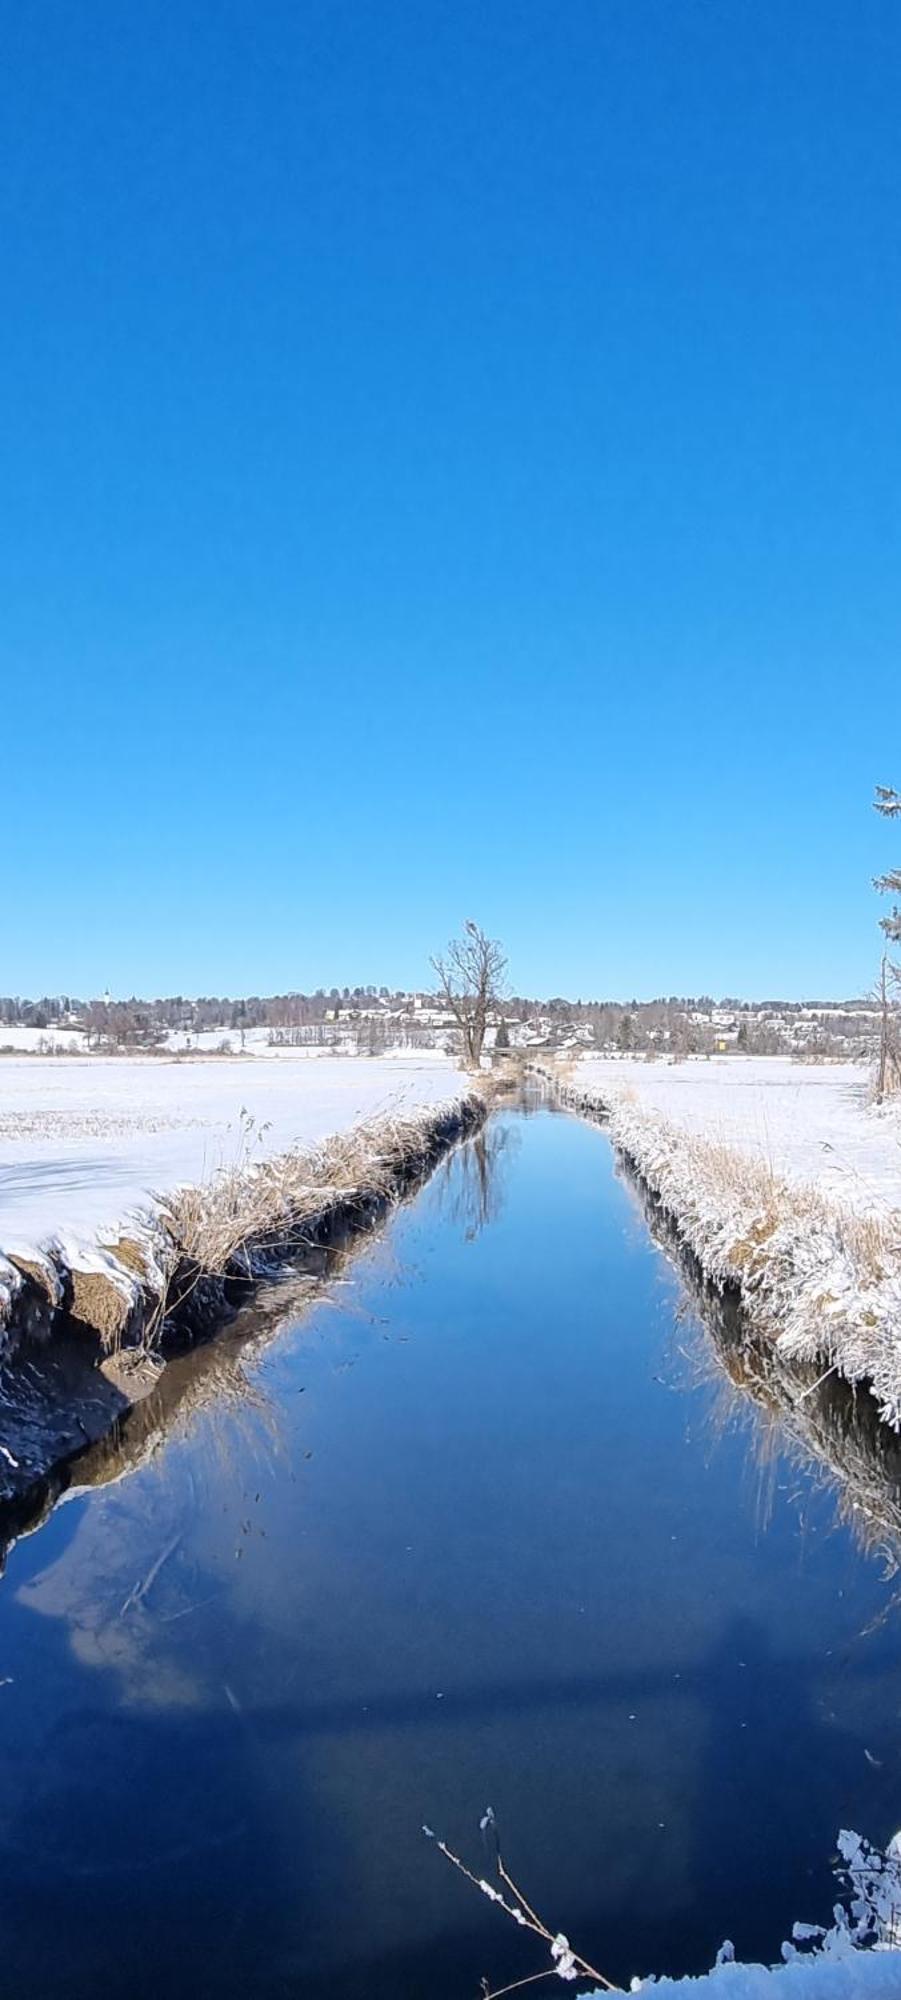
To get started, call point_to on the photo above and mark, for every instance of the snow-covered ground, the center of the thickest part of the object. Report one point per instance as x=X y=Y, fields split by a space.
x=42 y=1041
x=85 y=1140
x=258 y=1042
x=806 y=1122
x=865 y=1975
x=856 y=1958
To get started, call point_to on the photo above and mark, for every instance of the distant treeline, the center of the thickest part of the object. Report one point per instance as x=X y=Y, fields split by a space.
x=682 y=1023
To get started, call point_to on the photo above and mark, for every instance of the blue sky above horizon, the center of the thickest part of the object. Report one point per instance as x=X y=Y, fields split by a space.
x=451 y=466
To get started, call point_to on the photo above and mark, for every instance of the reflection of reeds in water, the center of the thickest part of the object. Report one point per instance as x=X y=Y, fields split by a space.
x=212 y=1382
x=127 y=1589
x=815 y=1418
x=277 y=1228
x=215 y=1380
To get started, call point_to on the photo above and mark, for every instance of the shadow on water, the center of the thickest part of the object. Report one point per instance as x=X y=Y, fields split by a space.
x=216 y=1893
x=436 y=1528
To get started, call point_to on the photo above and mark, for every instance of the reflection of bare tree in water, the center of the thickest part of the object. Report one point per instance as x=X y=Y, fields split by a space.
x=817 y=1418
x=471 y=1185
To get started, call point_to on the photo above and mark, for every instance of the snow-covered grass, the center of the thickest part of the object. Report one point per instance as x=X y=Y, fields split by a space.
x=785 y=1181
x=806 y=1122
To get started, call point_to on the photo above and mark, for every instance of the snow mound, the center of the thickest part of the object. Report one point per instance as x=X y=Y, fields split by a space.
x=868 y=1975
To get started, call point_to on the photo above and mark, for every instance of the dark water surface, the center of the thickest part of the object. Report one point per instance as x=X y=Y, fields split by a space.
x=469 y=1532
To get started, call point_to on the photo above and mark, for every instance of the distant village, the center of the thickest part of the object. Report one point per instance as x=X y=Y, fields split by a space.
x=369 y=1020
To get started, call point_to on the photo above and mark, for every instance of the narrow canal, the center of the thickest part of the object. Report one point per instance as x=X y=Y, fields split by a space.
x=477 y=1527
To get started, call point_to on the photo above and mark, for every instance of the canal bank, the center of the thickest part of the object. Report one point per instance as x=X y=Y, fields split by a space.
x=84 y=1342
x=471 y=1529
x=818 y=1277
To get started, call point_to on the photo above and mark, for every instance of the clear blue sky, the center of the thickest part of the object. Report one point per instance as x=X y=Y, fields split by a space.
x=451 y=460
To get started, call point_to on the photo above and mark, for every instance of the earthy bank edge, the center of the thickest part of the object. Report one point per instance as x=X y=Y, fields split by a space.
x=818 y=1280
x=81 y=1347
x=824 y=1423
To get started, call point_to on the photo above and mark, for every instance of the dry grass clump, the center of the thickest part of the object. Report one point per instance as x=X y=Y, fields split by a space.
x=178 y=1262
x=96 y=1302
x=259 y=1204
x=236 y=1225
x=31 y=1290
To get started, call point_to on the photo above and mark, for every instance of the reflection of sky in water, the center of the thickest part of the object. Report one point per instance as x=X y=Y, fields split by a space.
x=472 y=1541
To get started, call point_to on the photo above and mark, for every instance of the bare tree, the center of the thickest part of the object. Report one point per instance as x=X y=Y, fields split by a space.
x=888 y=1078
x=471 y=982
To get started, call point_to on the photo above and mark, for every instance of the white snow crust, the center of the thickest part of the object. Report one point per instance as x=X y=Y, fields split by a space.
x=866 y=1975
x=86 y=1141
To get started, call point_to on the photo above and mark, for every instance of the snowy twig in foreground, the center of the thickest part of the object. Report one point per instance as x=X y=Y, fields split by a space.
x=865 y=1928
x=567 y=1963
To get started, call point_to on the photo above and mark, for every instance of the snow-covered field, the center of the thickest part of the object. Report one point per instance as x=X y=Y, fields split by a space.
x=227 y=1041
x=85 y=1140
x=806 y=1122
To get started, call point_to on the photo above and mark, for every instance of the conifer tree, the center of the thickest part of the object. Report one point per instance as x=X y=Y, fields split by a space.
x=889 y=803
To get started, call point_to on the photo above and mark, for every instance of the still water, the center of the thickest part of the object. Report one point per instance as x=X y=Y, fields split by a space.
x=480 y=1525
